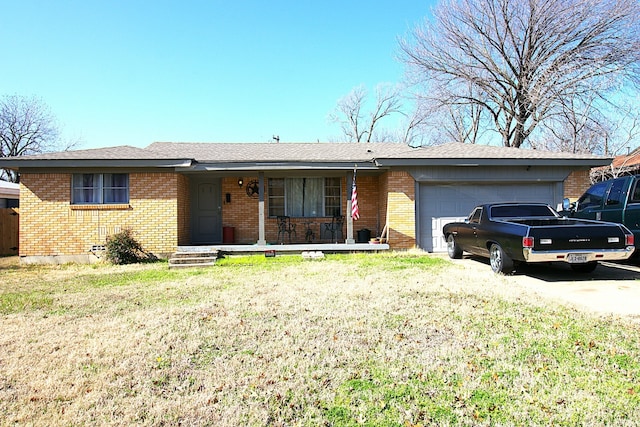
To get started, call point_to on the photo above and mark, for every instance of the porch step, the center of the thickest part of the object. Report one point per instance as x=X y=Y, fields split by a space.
x=193 y=259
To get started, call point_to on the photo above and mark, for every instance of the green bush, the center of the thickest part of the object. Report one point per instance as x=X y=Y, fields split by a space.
x=123 y=248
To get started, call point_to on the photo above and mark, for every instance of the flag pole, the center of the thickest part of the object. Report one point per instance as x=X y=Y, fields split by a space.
x=355 y=210
x=350 y=240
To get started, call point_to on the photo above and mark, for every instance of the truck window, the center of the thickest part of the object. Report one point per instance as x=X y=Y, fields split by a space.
x=593 y=196
x=615 y=196
x=520 y=211
x=635 y=194
x=474 y=218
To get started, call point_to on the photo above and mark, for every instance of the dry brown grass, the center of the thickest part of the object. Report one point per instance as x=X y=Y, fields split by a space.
x=379 y=340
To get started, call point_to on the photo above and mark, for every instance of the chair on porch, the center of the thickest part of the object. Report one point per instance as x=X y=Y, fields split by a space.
x=334 y=228
x=285 y=226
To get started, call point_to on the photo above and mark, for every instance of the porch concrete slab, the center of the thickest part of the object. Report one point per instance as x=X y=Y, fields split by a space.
x=293 y=248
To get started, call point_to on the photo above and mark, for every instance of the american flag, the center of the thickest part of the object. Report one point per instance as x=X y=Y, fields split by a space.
x=355 y=212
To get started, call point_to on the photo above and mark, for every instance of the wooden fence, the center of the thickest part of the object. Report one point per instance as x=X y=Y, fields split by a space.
x=9 y=221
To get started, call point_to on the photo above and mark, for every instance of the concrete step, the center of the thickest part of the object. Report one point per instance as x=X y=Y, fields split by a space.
x=194 y=265
x=193 y=259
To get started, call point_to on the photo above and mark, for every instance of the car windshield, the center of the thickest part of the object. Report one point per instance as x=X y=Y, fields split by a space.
x=520 y=211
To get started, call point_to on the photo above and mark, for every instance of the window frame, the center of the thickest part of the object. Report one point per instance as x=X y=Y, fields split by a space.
x=474 y=217
x=99 y=189
x=278 y=198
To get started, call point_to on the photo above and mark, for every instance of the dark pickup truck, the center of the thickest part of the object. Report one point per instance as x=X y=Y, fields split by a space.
x=615 y=200
x=513 y=233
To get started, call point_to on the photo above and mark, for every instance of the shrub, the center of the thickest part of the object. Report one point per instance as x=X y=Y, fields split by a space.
x=123 y=248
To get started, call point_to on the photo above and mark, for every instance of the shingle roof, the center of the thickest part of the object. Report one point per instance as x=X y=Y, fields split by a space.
x=477 y=151
x=9 y=190
x=122 y=152
x=278 y=152
x=171 y=154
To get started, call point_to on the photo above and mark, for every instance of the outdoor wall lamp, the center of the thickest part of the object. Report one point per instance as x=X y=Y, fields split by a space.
x=240 y=182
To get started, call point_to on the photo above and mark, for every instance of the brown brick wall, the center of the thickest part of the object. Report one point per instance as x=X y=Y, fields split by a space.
x=159 y=212
x=400 y=209
x=242 y=212
x=368 y=204
x=51 y=226
x=576 y=184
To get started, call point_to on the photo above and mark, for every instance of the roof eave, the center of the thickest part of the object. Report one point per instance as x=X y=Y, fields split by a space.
x=491 y=162
x=263 y=166
x=16 y=164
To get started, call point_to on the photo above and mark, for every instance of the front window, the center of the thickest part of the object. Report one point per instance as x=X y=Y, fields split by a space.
x=100 y=188
x=593 y=196
x=304 y=197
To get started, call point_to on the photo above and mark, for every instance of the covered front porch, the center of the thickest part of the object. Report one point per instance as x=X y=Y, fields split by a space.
x=240 y=211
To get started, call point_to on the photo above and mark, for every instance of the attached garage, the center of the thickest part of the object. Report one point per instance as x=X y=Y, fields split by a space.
x=448 y=193
x=451 y=179
x=443 y=203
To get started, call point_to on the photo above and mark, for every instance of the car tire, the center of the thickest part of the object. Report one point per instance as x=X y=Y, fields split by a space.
x=587 y=267
x=454 y=251
x=499 y=260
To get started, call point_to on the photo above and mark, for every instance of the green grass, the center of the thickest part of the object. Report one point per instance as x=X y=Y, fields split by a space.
x=16 y=302
x=540 y=365
x=351 y=340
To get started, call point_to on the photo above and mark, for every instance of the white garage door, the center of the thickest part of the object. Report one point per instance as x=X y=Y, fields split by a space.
x=440 y=204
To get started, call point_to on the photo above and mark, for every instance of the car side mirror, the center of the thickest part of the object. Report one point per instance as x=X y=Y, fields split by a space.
x=567 y=205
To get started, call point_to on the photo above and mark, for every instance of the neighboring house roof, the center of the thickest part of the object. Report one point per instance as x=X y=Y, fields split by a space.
x=9 y=190
x=620 y=166
x=248 y=156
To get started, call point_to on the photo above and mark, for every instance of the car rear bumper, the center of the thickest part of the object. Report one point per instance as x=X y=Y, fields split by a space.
x=578 y=256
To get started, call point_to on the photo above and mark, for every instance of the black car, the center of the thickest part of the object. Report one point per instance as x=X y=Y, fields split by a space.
x=513 y=233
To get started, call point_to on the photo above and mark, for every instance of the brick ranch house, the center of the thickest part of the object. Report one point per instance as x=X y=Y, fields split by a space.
x=181 y=194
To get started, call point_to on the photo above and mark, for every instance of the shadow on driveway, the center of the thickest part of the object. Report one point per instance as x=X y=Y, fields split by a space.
x=562 y=272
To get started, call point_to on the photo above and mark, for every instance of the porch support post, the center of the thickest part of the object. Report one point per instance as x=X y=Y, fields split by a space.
x=350 y=240
x=261 y=234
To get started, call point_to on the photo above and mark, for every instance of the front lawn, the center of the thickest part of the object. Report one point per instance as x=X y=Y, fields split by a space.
x=395 y=339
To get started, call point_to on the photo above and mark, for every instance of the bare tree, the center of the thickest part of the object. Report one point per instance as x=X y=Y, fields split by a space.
x=412 y=129
x=26 y=127
x=590 y=124
x=577 y=126
x=524 y=58
x=359 y=126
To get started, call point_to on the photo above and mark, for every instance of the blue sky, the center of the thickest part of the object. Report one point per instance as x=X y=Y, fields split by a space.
x=134 y=72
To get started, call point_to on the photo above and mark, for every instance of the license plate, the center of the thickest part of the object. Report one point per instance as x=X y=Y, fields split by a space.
x=577 y=258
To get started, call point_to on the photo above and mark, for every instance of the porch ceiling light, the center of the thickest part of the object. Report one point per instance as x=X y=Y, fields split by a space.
x=240 y=182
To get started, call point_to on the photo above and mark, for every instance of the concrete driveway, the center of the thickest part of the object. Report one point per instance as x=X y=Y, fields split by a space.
x=611 y=289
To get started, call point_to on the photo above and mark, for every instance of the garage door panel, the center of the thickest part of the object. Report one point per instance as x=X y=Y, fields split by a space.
x=441 y=204
x=436 y=225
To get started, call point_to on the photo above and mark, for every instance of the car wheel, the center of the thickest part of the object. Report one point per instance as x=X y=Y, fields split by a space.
x=587 y=267
x=454 y=251
x=500 y=262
